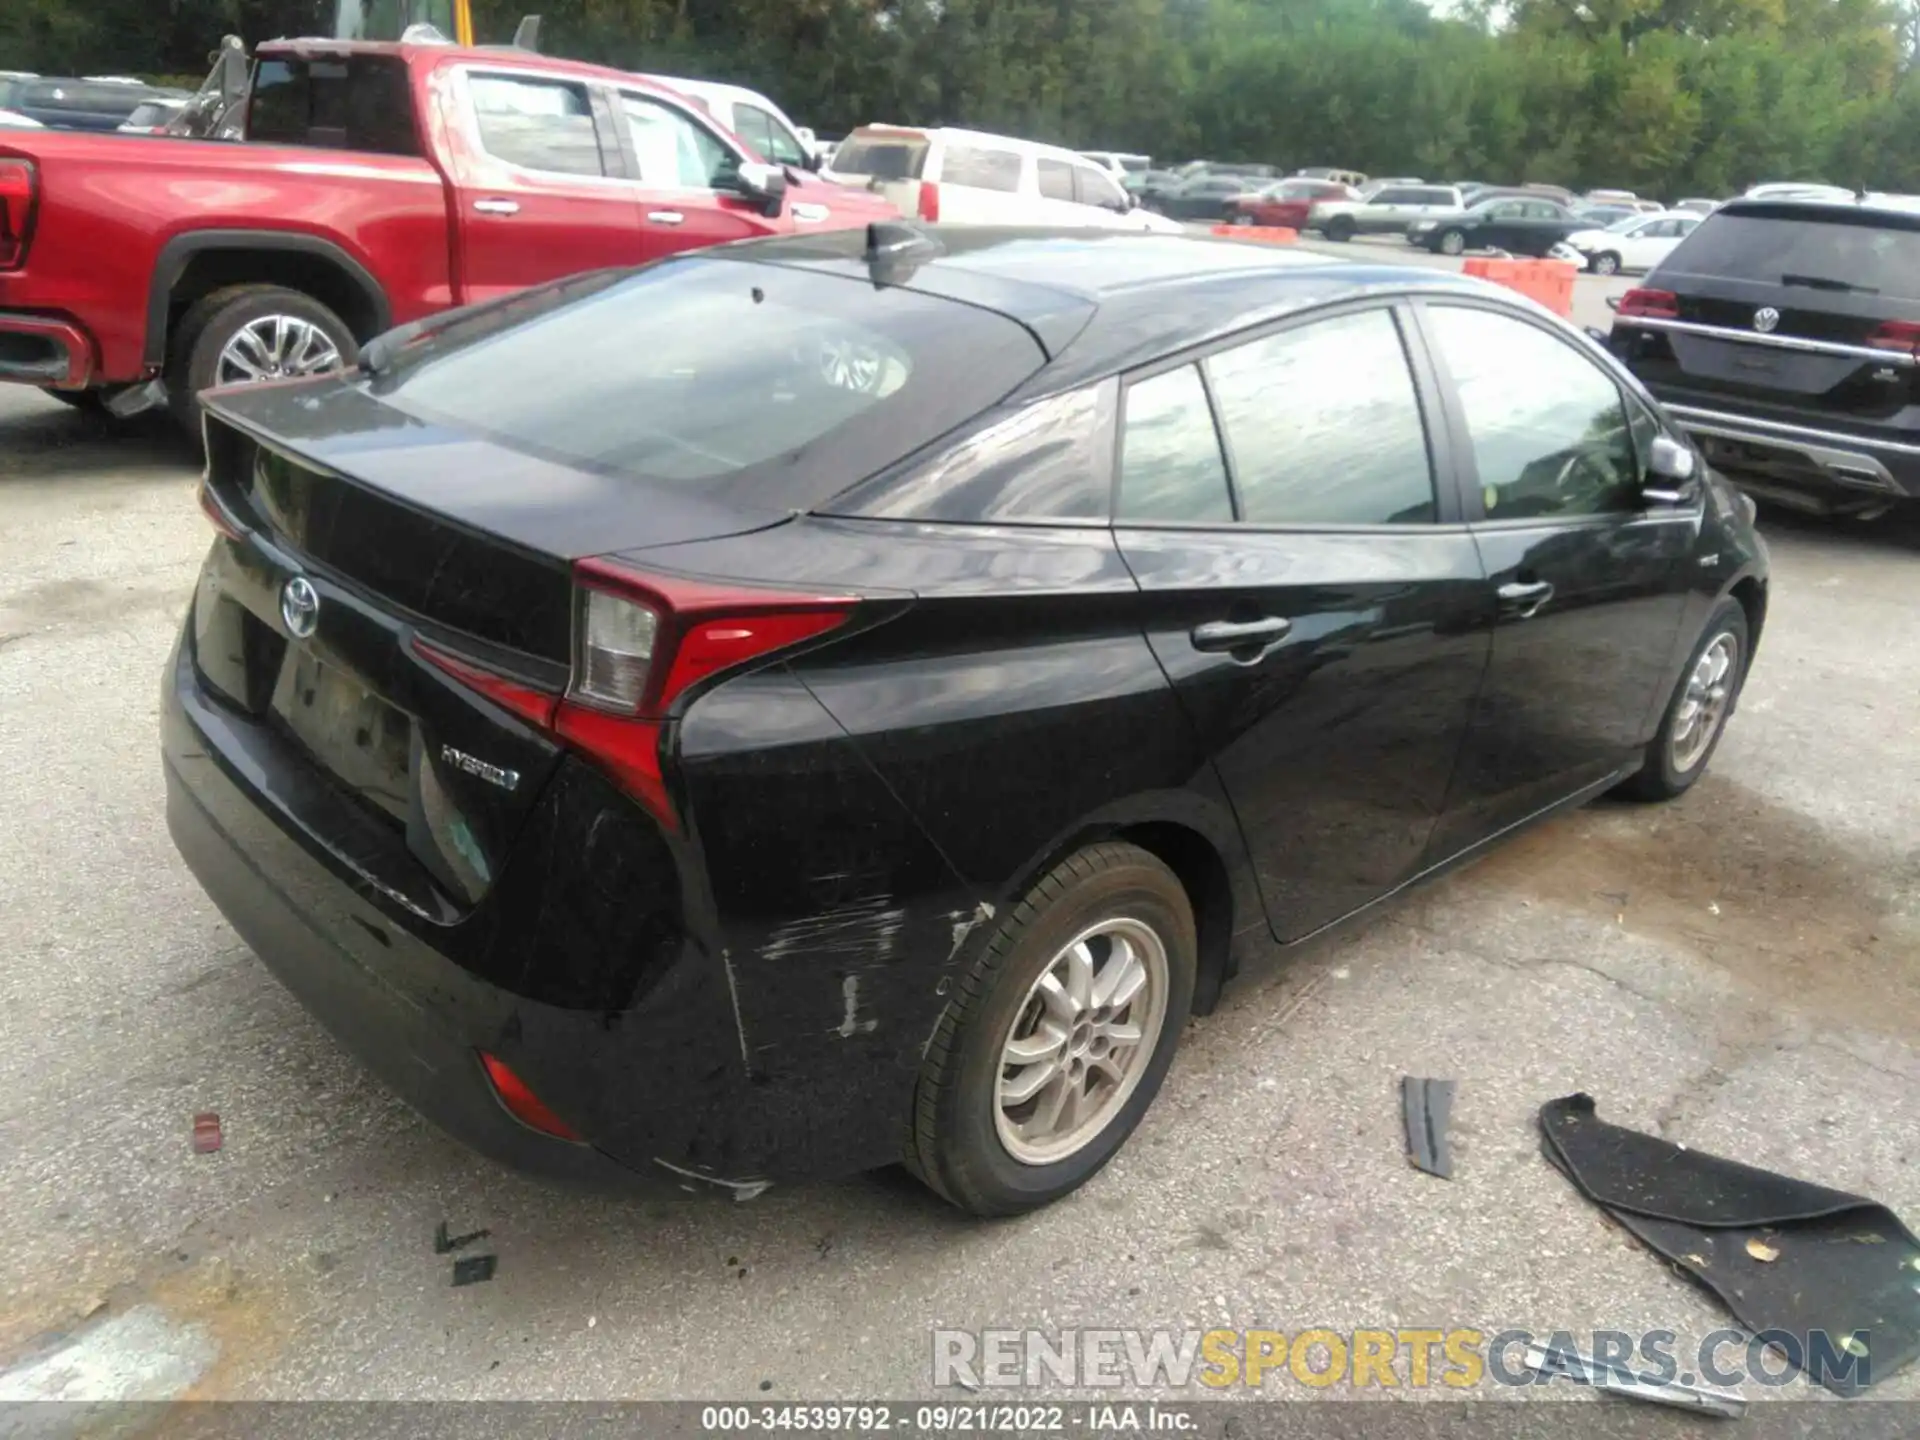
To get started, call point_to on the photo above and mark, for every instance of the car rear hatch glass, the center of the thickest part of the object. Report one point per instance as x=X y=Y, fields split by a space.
x=442 y=502
x=1829 y=275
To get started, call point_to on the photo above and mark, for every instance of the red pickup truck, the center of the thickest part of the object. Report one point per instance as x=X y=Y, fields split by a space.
x=378 y=184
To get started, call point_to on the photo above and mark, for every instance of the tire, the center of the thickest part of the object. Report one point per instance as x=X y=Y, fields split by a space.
x=194 y=361
x=1340 y=228
x=1672 y=766
x=1605 y=263
x=959 y=1146
x=1450 y=242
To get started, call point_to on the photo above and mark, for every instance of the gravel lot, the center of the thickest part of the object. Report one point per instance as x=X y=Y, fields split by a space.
x=1740 y=971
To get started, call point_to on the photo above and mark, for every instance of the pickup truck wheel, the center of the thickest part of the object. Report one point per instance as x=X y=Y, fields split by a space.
x=247 y=333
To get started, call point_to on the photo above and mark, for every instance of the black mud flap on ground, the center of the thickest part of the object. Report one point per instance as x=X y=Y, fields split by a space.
x=1833 y=1279
x=1426 y=1105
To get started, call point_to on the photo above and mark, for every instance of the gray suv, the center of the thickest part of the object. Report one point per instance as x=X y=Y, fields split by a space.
x=1388 y=210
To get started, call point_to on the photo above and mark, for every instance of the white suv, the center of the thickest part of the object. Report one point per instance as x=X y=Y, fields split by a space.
x=972 y=178
x=752 y=116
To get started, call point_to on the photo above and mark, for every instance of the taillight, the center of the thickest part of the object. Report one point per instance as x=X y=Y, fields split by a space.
x=216 y=513
x=639 y=642
x=1900 y=336
x=929 y=206
x=19 y=187
x=1650 y=304
x=525 y=1106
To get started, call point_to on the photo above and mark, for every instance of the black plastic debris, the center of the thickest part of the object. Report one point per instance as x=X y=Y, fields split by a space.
x=1426 y=1105
x=445 y=1244
x=1831 y=1280
x=472 y=1269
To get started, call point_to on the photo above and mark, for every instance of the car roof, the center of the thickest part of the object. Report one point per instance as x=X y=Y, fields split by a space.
x=951 y=133
x=1103 y=300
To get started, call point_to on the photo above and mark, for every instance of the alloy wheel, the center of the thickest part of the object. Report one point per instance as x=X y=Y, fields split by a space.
x=275 y=347
x=1704 y=703
x=1081 y=1040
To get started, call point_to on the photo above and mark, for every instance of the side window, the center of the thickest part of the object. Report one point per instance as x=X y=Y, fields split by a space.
x=1396 y=197
x=1508 y=210
x=674 y=151
x=981 y=167
x=772 y=140
x=750 y=124
x=1094 y=188
x=1056 y=179
x=1549 y=430
x=1324 y=425
x=1170 y=465
x=538 y=124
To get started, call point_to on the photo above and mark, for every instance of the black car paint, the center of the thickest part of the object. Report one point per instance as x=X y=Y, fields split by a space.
x=749 y=1000
x=1481 y=229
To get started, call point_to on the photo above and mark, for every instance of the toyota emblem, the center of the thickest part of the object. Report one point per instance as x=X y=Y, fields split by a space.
x=300 y=607
x=1765 y=318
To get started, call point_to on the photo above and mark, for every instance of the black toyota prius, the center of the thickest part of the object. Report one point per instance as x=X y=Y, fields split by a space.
x=839 y=700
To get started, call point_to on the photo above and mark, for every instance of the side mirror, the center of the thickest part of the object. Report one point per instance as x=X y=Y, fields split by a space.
x=1671 y=468
x=766 y=184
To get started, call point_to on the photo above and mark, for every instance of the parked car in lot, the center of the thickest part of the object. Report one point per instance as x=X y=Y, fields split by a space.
x=1783 y=335
x=1599 y=217
x=1341 y=177
x=73 y=104
x=1119 y=163
x=751 y=116
x=849 y=720
x=973 y=178
x=1285 y=204
x=14 y=120
x=1207 y=196
x=1697 y=205
x=1389 y=210
x=1798 y=190
x=1505 y=222
x=348 y=210
x=151 y=117
x=1636 y=243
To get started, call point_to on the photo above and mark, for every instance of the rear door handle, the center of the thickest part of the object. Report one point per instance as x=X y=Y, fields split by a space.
x=1523 y=599
x=497 y=207
x=1225 y=635
x=666 y=217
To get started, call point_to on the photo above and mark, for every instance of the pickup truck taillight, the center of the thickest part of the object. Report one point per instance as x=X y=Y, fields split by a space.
x=929 y=206
x=638 y=642
x=19 y=188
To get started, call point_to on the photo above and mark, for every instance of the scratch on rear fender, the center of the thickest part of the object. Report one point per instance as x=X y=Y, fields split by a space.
x=850 y=1023
x=739 y=1021
x=965 y=924
x=740 y=1189
x=864 y=932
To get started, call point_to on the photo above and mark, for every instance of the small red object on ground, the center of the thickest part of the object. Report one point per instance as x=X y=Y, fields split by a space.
x=206 y=1133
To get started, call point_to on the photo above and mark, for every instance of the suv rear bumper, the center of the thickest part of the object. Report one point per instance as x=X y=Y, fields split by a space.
x=1791 y=460
x=45 y=350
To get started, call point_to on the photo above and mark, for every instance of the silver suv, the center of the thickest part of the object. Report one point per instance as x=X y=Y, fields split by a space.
x=1388 y=210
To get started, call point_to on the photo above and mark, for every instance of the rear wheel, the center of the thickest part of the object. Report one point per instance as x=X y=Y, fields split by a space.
x=1340 y=228
x=248 y=333
x=1057 y=1039
x=1697 y=713
x=1605 y=263
x=1451 y=242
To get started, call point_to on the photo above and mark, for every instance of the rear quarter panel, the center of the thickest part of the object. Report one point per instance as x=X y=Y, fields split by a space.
x=906 y=784
x=108 y=204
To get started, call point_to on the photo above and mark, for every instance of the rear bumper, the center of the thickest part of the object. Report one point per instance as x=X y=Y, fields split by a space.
x=1797 y=457
x=43 y=350
x=410 y=1014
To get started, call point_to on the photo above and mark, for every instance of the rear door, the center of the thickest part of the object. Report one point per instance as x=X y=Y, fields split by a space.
x=1391 y=209
x=1800 y=306
x=681 y=167
x=537 y=184
x=1590 y=585
x=1311 y=594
